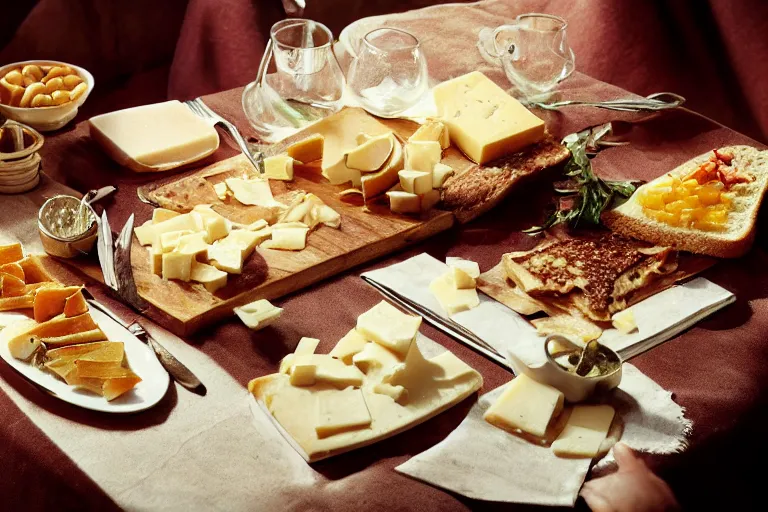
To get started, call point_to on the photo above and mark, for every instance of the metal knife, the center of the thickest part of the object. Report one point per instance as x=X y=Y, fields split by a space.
x=116 y=263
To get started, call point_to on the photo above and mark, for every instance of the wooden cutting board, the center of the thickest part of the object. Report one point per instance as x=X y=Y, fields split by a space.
x=366 y=233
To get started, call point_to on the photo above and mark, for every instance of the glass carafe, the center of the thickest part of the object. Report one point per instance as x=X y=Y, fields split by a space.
x=299 y=80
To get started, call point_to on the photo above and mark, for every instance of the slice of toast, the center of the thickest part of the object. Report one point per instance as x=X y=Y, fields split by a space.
x=735 y=240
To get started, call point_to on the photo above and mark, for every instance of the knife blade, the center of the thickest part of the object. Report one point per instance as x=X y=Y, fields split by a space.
x=105 y=250
x=123 y=271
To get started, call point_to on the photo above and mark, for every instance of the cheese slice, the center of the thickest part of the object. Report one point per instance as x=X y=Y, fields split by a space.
x=341 y=411
x=371 y=154
x=306 y=346
x=303 y=370
x=221 y=190
x=193 y=243
x=397 y=393
x=416 y=182
x=287 y=238
x=257 y=225
x=154 y=137
x=433 y=131
x=177 y=265
x=258 y=314
x=485 y=122
x=422 y=155
x=161 y=214
x=335 y=372
x=255 y=192
x=338 y=173
x=307 y=150
x=525 y=405
x=453 y=367
x=374 y=357
x=470 y=267
x=389 y=327
x=462 y=280
x=170 y=241
x=451 y=299
x=246 y=240
x=585 y=431
x=279 y=167
x=440 y=173
x=352 y=343
x=209 y=276
x=624 y=321
x=228 y=258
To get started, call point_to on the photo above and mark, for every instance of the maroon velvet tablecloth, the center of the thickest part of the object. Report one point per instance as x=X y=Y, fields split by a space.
x=716 y=370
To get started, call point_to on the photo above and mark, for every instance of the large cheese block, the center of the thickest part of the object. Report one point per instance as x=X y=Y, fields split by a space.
x=485 y=122
x=154 y=137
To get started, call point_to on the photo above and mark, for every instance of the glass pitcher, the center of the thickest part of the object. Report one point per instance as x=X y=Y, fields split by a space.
x=534 y=52
x=299 y=80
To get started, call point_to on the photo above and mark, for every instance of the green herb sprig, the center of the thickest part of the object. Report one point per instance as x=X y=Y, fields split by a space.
x=587 y=194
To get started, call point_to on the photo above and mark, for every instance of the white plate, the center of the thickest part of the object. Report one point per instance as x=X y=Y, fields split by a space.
x=141 y=358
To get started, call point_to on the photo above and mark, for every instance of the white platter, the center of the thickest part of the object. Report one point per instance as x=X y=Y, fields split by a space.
x=141 y=358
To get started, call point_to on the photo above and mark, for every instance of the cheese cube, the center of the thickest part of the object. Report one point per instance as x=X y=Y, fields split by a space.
x=209 y=276
x=525 y=405
x=221 y=190
x=451 y=299
x=374 y=356
x=193 y=244
x=177 y=265
x=155 y=259
x=432 y=131
x=470 y=267
x=416 y=182
x=389 y=327
x=404 y=202
x=245 y=240
x=585 y=431
x=485 y=122
x=258 y=314
x=279 y=167
x=148 y=233
x=462 y=280
x=287 y=238
x=307 y=150
x=624 y=321
x=303 y=370
x=161 y=214
x=228 y=258
x=306 y=346
x=422 y=156
x=164 y=135
x=440 y=173
x=145 y=233
x=352 y=343
x=170 y=241
x=215 y=228
x=341 y=411
x=335 y=372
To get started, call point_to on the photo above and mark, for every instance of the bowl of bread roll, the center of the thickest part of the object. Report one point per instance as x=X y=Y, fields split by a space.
x=43 y=94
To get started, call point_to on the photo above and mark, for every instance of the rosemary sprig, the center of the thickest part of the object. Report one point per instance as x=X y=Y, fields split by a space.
x=585 y=196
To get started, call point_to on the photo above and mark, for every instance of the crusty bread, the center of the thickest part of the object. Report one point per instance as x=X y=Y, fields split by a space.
x=629 y=219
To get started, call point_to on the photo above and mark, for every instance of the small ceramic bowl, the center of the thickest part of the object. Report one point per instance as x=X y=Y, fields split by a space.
x=46 y=119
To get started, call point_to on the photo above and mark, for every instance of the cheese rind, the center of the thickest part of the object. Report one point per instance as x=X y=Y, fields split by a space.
x=584 y=432
x=526 y=405
x=371 y=154
x=485 y=122
x=390 y=327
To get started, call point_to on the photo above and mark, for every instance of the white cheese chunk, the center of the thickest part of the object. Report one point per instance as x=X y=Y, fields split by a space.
x=221 y=190
x=145 y=233
x=252 y=192
x=155 y=259
x=193 y=243
x=257 y=225
x=209 y=276
x=352 y=343
x=624 y=321
x=371 y=154
x=170 y=241
x=228 y=258
x=416 y=182
x=148 y=233
x=341 y=411
x=440 y=173
x=279 y=167
x=258 y=314
x=389 y=327
x=303 y=370
x=453 y=367
x=462 y=280
x=470 y=267
x=164 y=135
x=246 y=240
x=287 y=238
x=422 y=156
x=585 y=431
x=374 y=357
x=177 y=265
x=336 y=373
x=338 y=173
x=525 y=405
x=161 y=214
x=451 y=299
x=397 y=393
x=216 y=228
x=434 y=131
x=401 y=201
x=306 y=346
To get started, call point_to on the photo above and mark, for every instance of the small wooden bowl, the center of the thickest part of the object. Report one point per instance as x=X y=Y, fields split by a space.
x=19 y=158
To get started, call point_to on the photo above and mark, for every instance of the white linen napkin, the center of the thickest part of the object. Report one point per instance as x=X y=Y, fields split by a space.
x=659 y=317
x=483 y=462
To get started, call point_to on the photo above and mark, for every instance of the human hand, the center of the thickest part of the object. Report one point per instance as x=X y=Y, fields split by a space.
x=633 y=488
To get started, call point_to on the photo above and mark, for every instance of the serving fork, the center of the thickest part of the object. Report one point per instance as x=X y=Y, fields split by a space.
x=201 y=110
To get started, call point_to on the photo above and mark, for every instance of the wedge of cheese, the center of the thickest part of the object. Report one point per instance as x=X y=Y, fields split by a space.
x=485 y=122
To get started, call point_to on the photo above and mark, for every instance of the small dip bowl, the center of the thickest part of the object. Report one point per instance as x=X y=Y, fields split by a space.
x=57 y=222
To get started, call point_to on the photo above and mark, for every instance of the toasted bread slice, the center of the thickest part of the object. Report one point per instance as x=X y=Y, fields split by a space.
x=739 y=233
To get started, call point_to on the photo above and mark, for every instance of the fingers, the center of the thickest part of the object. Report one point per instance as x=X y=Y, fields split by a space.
x=595 y=500
x=626 y=458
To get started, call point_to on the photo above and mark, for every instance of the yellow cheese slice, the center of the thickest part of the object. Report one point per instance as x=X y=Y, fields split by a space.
x=340 y=411
x=207 y=275
x=422 y=155
x=451 y=299
x=352 y=343
x=252 y=192
x=221 y=190
x=246 y=240
x=485 y=122
x=258 y=314
x=389 y=327
x=374 y=357
x=292 y=238
x=307 y=150
x=585 y=431
x=161 y=214
x=525 y=405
